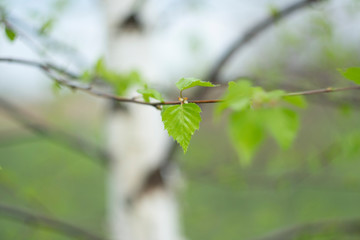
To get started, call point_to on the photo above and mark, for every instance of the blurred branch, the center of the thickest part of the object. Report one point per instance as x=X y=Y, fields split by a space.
x=323 y=90
x=32 y=45
x=28 y=32
x=39 y=65
x=252 y=33
x=351 y=227
x=42 y=221
x=8 y=138
x=75 y=143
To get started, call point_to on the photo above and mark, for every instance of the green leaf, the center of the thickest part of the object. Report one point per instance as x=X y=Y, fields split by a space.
x=274 y=11
x=56 y=87
x=47 y=26
x=185 y=83
x=247 y=132
x=298 y=101
x=100 y=68
x=352 y=74
x=11 y=35
x=237 y=96
x=282 y=124
x=181 y=121
x=148 y=93
x=121 y=82
x=261 y=98
x=86 y=76
x=247 y=129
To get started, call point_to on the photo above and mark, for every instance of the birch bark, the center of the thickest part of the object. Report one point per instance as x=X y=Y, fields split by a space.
x=136 y=139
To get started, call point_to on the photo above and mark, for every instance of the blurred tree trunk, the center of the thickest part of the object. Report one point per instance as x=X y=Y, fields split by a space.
x=139 y=207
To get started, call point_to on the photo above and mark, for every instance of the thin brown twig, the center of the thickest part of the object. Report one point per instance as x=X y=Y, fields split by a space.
x=38 y=220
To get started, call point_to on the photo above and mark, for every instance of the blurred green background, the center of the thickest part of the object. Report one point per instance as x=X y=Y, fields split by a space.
x=316 y=179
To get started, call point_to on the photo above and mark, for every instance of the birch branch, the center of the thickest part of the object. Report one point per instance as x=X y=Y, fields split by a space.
x=42 y=221
x=73 y=142
x=350 y=227
x=253 y=32
x=47 y=69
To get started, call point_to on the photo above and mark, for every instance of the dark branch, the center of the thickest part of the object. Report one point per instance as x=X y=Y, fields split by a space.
x=252 y=33
x=349 y=227
x=41 y=66
x=9 y=138
x=46 y=222
x=79 y=145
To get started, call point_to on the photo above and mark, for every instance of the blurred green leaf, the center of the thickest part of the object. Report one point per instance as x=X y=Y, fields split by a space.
x=282 y=125
x=247 y=132
x=352 y=74
x=274 y=11
x=60 y=5
x=247 y=129
x=181 y=121
x=56 y=87
x=10 y=33
x=86 y=76
x=298 y=101
x=185 y=83
x=345 y=109
x=256 y=112
x=121 y=82
x=237 y=96
x=47 y=26
x=262 y=98
x=148 y=93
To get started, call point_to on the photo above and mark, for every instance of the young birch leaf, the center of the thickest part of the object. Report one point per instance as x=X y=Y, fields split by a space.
x=148 y=93
x=185 y=83
x=352 y=74
x=181 y=121
x=11 y=35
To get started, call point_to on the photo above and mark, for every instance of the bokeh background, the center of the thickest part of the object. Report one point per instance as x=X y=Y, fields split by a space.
x=316 y=179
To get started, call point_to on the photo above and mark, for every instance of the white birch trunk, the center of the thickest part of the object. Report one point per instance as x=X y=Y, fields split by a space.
x=136 y=140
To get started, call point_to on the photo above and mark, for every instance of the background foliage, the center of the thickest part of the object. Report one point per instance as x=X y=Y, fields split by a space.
x=316 y=178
